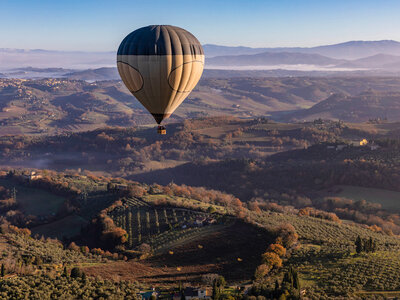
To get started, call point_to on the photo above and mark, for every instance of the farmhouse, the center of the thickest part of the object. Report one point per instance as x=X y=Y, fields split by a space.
x=210 y=221
x=194 y=293
x=32 y=176
x=200 y=221
x=147 y=295
x=121 y=187
x=362 y=142
x=374 y=147
x=340 y=147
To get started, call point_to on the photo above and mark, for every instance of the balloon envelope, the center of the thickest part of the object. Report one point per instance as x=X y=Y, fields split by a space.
x=160 y=65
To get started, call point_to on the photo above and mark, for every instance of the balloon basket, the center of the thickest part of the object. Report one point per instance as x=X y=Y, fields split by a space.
x=161 y=130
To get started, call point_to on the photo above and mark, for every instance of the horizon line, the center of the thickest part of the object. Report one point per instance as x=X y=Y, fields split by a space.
x=210 y=44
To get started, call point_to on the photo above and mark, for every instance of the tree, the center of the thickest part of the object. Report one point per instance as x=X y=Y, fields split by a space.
x=272 y=260
x=3 y=270
x=218 y=287
x=278 y=249
x=76 y=272
x=74 y=247
x=145 y=248
x=261 y=271
x=359 y=246
x=290 y=286
x=110 y=187
x=287 y=235
x=276 y=289
x=65 y=272
x=211 y=209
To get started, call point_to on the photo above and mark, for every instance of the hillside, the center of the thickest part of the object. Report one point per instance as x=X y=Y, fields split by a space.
x=363 y=107
x=126 y=152
x=164 y=231
x=169 y=252
x=380 y=61
x=94 y=74
x=51 y=106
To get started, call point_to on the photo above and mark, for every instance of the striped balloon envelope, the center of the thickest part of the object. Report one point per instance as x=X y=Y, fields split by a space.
x=160 y=65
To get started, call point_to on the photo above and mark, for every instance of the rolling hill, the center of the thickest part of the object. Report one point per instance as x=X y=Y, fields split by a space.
x=48 y=106
x=360 y=108
x=378 y=61
x=94 y=74
x=322 y=250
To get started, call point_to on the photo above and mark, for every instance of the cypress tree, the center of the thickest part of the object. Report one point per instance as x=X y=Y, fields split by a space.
x=370 y=245
x=296 y=281
x=277 y=289
x=3 y=270
x=218 y=287
x=358 y=244
x=65 y=272
x=215 y=294
x=276 y=285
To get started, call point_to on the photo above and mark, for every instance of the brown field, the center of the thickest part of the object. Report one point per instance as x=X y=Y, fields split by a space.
x=215 y=253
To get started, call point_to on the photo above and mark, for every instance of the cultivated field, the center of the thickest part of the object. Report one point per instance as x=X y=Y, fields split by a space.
x=388 y=199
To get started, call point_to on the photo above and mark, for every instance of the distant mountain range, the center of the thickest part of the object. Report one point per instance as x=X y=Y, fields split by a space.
x=275 y=58
x=348 y=50
x=376 y=57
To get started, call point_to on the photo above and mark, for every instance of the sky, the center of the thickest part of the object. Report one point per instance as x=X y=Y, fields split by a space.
x=98 y=25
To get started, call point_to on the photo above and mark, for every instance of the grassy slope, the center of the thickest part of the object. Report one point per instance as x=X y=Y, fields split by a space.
x=33 y=200
x=388 y=199
x=327 y=261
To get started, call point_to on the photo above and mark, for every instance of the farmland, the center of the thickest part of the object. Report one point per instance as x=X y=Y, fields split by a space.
x=215 y=249
x=327 y=255
x=34 y=201
x=164 y=218
x=158 y=226
x=388 y=199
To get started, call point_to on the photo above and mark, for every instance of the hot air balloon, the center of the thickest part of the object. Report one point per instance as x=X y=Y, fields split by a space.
x=160 y=65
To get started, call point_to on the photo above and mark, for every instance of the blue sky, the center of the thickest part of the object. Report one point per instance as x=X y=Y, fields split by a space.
x=100 y=25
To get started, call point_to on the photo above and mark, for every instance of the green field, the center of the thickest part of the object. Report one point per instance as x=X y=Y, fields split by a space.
x=388 y=199
x=71 y=226
x=33 y=200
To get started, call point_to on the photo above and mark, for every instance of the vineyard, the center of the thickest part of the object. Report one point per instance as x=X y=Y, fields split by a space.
x=159 y=226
